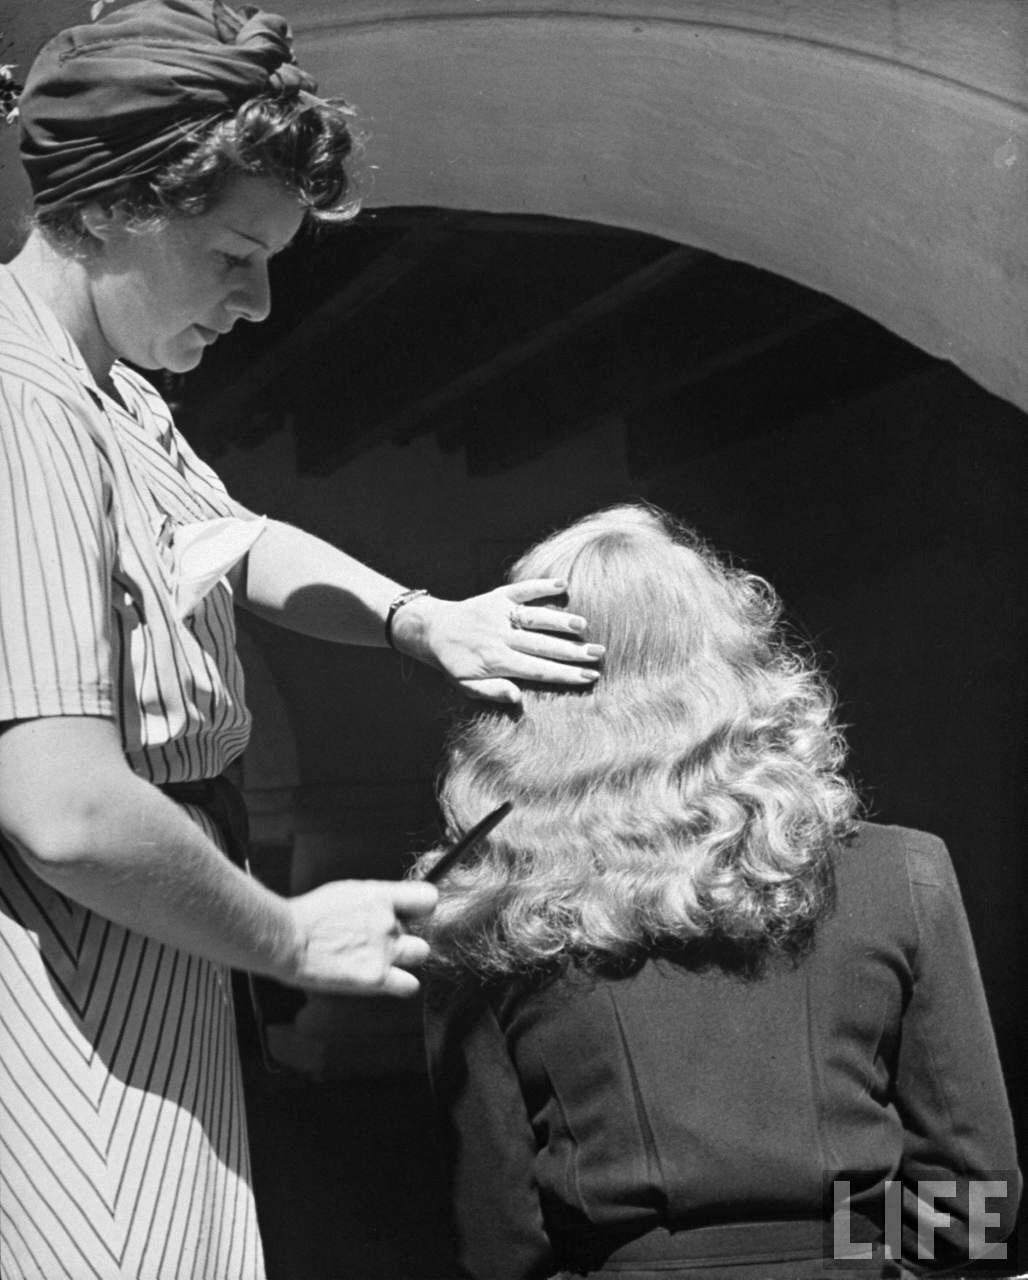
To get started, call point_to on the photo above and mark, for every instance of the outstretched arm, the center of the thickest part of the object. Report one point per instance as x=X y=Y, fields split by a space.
x=90 y=828
x=483 y=644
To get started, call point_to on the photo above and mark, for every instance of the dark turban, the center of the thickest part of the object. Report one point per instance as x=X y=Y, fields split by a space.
x=111 y=99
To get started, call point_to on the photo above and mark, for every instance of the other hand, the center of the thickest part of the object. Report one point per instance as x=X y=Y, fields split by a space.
x=486 y=643
x=352 y=940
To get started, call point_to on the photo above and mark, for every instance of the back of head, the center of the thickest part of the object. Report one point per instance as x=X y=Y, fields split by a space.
x=654 y=595
x=693 y=792
x=154 y=106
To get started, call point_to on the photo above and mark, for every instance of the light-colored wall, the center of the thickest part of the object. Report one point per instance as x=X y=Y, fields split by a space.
x=877 y=152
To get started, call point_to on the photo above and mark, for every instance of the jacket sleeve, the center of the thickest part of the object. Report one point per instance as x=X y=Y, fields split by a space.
x=488 y=1140
x=949 y=1084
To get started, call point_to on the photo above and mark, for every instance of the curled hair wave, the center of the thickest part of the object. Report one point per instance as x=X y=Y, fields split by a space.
x=693 y=793
x=307 y=144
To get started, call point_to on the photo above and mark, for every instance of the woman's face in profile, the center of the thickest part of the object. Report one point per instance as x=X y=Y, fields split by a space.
x=162 y=296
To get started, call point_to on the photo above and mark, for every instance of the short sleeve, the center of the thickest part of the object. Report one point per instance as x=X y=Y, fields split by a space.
x=57 y=554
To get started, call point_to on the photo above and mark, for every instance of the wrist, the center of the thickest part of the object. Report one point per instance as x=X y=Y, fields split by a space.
x=288 y=946
x=398 y=603
x=408 y=629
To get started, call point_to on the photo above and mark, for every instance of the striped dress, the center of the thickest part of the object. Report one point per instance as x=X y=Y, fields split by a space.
x=123 y=1148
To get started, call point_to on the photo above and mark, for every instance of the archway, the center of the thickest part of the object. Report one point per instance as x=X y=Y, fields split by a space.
x=877 y=153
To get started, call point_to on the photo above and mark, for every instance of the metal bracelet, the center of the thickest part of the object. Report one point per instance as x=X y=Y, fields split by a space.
x=405 y=597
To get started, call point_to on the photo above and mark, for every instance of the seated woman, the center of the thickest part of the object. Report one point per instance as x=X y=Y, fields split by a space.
x=688 y=1016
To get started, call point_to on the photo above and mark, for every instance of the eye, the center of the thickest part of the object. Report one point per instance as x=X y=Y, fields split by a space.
x=234 y=261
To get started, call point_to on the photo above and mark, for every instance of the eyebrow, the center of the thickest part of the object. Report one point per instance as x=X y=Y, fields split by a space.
x=246 y=236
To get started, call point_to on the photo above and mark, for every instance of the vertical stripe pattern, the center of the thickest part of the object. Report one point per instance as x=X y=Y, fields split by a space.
x=91 y=493
x=123 y=1151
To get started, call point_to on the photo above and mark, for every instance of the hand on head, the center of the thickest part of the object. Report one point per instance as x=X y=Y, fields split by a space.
x=488 y=642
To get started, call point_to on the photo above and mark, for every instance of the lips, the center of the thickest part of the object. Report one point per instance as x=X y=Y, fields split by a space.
x=207 y=336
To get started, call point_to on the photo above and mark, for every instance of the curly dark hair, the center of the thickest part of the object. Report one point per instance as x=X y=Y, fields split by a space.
x=306 y=143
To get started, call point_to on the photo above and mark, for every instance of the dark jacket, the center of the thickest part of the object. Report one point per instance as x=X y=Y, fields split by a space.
x=589 y=1117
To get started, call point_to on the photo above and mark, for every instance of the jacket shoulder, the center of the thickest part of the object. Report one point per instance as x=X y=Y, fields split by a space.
x=922 y=856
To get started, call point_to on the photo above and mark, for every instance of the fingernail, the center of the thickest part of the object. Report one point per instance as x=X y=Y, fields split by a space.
x=561 y=584
x=576 y=624
x=589 y=677
x=595 y=650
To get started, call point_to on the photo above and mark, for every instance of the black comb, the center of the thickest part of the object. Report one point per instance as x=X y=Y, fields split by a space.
x=467 y=841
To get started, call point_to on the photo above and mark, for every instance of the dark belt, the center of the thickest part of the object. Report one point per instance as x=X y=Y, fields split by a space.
x=719 y=1244
x=223 y=803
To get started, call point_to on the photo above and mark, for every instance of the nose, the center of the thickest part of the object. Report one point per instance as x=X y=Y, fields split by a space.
x=251 y=299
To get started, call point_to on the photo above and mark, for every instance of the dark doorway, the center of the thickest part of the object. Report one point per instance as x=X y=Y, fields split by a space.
x=879 y=489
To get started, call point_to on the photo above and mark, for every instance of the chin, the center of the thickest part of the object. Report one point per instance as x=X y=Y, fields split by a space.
x=183 y=362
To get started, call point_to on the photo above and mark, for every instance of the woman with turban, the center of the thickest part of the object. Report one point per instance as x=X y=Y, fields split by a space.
x=173 y=148
x=686 y=1016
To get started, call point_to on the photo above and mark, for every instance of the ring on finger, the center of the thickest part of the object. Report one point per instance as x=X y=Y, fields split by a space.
x=517 y=618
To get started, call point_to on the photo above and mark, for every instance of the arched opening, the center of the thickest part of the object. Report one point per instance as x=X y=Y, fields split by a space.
x=876 y=153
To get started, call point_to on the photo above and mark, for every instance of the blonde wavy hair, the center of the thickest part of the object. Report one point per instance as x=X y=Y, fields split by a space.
x=694 y=792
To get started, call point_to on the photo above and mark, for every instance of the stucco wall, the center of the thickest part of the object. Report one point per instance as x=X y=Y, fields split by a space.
x=877 y=152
